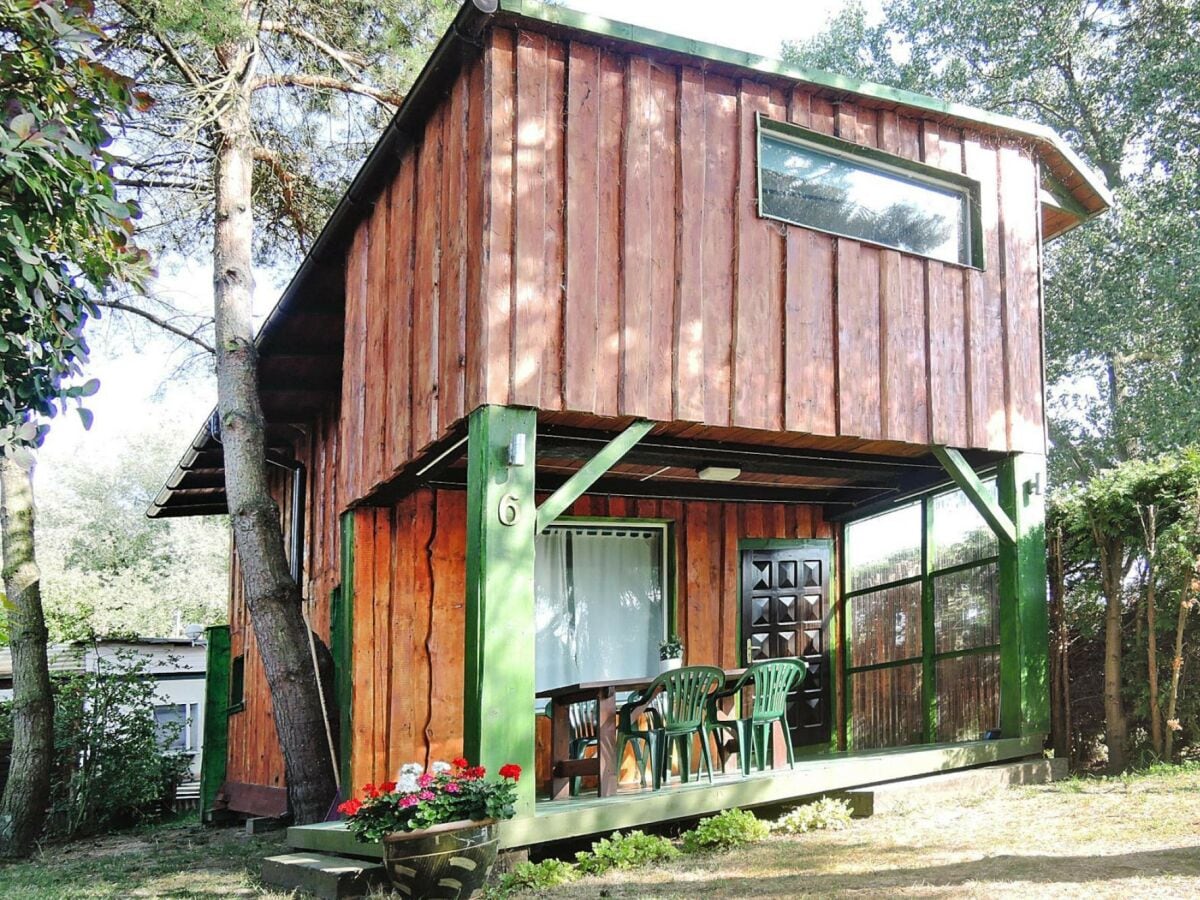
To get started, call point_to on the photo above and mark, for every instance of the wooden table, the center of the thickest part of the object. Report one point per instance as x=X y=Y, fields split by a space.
x=604 y=765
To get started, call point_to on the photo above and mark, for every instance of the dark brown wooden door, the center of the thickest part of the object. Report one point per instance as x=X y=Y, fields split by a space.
x=785 y=605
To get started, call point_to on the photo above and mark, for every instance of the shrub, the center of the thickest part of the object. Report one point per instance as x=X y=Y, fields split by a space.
x=110 y=765
x=625 y=851
x=540 y=876
x=826 y=813
x=728 y=829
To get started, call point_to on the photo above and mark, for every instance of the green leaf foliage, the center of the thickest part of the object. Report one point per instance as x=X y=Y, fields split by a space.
x=625 y=851
x=828 y=813
x=64 y=234
x=726 y=830
x=536 y=877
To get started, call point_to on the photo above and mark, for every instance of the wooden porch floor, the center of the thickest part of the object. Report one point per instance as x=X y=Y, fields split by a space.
x=633 y=807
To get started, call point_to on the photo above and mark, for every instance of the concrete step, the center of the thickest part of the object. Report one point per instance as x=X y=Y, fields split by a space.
x=899 y=795
x=323 y=875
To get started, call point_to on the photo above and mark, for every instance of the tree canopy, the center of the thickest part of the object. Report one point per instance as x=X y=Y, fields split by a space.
x=64 y=235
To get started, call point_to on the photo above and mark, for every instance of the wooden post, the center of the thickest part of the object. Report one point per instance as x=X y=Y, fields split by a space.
x=1024 y=621
x=498 y=713
x=591 y=472
x=216 y=718
x=964 y=476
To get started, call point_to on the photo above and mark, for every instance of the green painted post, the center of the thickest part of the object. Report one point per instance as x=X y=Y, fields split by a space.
x=216 y=718
x=341 y=640
x=928 y=631
x=498 y=720
x=1024 y=617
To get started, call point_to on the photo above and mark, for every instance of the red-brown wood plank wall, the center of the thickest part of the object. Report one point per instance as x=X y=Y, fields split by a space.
x=625 y=270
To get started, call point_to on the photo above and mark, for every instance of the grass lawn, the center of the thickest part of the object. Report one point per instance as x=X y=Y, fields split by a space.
x=1133 y=837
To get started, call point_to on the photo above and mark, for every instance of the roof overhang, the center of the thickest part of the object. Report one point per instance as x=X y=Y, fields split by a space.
x=300 y=341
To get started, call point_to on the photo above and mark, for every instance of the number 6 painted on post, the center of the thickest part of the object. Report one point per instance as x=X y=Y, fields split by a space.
x=510 y=509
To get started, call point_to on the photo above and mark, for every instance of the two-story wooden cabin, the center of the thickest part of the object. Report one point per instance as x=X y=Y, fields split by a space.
x=618 y=335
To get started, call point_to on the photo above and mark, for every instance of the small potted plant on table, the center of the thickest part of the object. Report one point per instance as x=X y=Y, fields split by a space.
x=438 y=827
x=670 y=652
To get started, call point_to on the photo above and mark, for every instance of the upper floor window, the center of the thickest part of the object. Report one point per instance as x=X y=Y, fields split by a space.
x=822 y=182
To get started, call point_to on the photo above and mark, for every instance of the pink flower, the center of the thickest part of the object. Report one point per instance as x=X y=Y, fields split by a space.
x=452 y=787
x=425 y=780
x=408 y=801
x=426 y=795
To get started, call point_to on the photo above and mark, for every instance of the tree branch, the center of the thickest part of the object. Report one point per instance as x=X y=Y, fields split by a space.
x=351 y=63
x=146 y=183
x=287 y=186
x=157 y=320
x=326 y=82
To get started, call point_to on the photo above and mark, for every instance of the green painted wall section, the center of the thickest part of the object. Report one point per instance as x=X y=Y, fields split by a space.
x=498 y=724
x=216 y=718
x=1024 y=616
x=341 y=640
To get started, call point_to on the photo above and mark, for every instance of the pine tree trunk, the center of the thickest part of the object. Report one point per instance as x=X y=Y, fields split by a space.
x=1149 y=519
x=1115 y=729
x=1186 y=603
x=1060 y=713
x=272 y=596
x=23 y=807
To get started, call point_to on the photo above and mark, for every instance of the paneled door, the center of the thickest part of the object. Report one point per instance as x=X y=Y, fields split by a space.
x=785 y=613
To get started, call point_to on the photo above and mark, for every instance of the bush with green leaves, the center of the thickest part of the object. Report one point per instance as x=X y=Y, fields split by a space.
x=625 y=851
x=827 y=813
x=540 y=876
x=726 y=830
x=111 y=767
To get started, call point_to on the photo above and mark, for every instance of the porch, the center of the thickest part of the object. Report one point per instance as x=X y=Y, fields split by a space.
x=892 y=617
x=585 y=816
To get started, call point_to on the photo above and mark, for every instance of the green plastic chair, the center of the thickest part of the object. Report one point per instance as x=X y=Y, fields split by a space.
x=674 y=705
x=773 y=680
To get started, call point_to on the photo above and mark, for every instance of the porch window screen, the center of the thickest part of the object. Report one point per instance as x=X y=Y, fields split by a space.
x=922 y=621
x=600 y=603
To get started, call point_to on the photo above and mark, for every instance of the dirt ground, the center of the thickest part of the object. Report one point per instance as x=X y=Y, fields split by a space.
x=1131 y=837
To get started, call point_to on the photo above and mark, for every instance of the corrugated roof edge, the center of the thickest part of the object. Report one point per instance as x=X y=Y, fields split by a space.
x=569 y=18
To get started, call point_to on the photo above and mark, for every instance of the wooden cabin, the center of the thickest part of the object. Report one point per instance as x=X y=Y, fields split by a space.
x=616 y=336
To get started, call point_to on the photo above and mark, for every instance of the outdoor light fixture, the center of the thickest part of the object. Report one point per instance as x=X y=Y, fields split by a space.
x=516 y=450
x=718 y=473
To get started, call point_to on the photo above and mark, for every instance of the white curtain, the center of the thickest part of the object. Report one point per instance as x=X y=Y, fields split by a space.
x=600 y=604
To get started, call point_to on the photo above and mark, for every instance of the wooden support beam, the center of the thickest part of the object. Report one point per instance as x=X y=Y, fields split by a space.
x=964 y=476
x=591 y=472
x=216 y=717
x=498 y=725
x=1024 y=617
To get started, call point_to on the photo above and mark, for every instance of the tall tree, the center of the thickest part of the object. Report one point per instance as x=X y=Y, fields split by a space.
x=1117 y=79
x=263 y=105
x=63 y=242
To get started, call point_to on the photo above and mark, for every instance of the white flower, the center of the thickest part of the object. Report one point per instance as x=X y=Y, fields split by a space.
x=411 y=769
x=440 y=768
x=407 y=783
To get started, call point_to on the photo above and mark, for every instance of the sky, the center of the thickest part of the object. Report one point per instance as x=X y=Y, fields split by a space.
x=139 y=372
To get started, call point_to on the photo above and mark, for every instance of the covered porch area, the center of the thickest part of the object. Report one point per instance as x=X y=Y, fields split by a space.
x=921 y=624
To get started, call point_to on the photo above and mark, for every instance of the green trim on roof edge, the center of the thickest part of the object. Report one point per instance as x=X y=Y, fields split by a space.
x=570 y=18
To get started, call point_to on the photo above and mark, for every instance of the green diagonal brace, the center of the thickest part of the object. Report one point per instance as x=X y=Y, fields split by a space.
x=964 y=476
x=576 y=486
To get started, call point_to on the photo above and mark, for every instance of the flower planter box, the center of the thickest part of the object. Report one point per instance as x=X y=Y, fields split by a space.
x=446 y=862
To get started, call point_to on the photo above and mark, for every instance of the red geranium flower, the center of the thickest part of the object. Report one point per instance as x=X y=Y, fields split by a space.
x=369 y=790
x=459 y=763
x=511 y=770
x=387 y=787
x=475 y=772
x=350 y=807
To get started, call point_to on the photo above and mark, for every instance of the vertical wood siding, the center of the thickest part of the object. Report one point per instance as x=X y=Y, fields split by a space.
x=626 y=270
x=410 y=563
